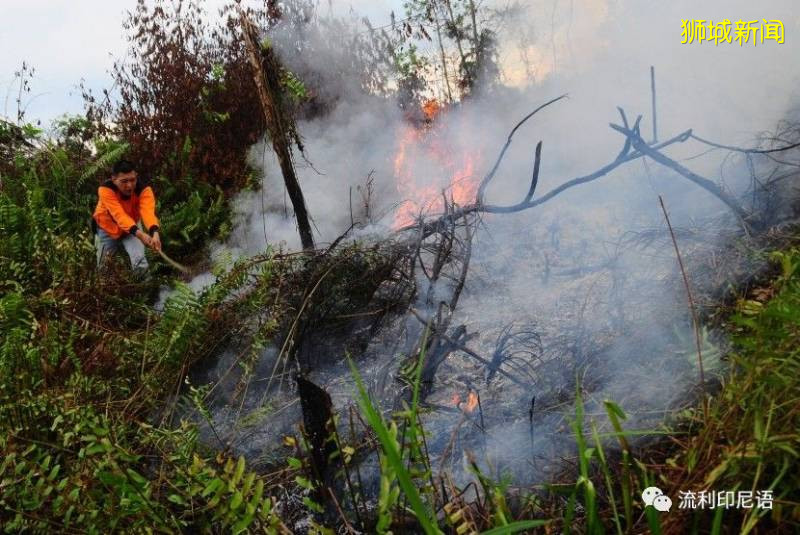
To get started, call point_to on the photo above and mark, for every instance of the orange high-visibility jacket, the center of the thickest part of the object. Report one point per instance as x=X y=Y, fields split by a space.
x=118 y=215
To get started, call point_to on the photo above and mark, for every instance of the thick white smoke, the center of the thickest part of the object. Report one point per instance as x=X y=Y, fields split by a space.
x=607 y=309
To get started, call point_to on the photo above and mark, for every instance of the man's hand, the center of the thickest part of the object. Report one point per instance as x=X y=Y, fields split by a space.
x=145 y=239
x=156 y=242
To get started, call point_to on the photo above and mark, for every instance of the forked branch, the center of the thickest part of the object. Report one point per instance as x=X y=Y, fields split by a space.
x=642 y=147
x=488 y=178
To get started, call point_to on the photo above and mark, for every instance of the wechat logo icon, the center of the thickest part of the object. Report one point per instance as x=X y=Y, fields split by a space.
x=652 y=496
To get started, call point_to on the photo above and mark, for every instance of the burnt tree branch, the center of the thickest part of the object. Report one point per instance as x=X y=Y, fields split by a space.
x=537 y=159
x=642 y=147
x=746 y=151
x=427 y=228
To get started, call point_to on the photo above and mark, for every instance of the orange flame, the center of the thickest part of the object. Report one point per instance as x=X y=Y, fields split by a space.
x=426 y=145
x=472 y=402
x=467 y=406
x=431 y=109
x=416 y=196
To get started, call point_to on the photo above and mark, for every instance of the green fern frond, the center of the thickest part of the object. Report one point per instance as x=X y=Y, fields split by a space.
x=103 y=161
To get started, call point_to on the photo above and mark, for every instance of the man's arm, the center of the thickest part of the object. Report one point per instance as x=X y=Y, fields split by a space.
x=147 y=207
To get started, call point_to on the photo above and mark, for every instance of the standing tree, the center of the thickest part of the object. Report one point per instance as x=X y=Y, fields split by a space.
x=461 y=39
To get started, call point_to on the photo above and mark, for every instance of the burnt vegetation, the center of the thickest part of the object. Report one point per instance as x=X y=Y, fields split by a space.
x=110 y=406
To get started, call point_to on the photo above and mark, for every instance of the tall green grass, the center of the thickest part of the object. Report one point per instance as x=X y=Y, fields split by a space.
x=751 y=439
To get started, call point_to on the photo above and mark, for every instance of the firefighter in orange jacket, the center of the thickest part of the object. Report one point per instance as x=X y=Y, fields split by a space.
x=123 y=201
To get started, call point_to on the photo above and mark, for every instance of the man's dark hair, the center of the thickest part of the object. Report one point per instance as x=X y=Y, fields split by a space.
x=123 y=166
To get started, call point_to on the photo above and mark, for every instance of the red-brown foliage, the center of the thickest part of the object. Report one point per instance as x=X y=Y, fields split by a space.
x=186 y=102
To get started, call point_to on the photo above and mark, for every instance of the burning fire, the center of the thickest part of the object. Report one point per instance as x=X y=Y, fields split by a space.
x=431 y=109
x=426 y=145
x=467 y=406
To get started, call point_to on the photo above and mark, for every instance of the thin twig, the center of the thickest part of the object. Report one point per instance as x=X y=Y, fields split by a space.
x=692 y=309
x=341 y=513
x=739 y=149
x=480 y=411
x=653 y=93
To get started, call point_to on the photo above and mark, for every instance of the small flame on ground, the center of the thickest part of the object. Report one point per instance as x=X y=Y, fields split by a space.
x=472 y=402
x=431 y=109
x=466 y=406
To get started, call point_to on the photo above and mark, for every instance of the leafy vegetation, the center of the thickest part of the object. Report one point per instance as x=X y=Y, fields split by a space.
x=749 y=440
x=91 y=377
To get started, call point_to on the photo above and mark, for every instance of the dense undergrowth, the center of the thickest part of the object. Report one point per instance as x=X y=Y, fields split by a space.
x=92 y=378
x=749 y=440
x=83 y=357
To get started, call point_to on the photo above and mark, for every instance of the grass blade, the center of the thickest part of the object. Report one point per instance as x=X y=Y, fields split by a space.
x=515 y=527
x=393 y=456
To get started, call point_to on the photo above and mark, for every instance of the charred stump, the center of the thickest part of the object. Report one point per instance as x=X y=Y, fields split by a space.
x=317 y=410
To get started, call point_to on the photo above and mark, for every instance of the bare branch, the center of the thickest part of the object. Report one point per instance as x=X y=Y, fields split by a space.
x=746 y=151
x=488 y=177
x=535 y=177
x=641 y=146
x=426 y=228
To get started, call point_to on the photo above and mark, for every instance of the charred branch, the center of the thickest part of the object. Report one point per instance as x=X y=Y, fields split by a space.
x=535 y=177
x=633 y=148
x=513 y=345
x=642 y=147
x=486 y=362
x=739 y=149
x=427 y=228
x=488 y=178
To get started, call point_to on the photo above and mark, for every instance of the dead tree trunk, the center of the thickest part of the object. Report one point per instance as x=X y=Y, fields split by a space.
x=280 y=125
